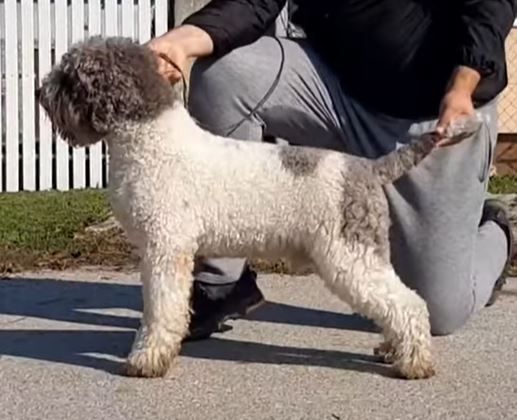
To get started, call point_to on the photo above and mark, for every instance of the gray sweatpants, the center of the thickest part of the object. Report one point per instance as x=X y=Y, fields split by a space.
x=438 y=247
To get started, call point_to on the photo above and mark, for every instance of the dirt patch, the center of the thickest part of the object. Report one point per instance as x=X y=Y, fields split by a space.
x=63 y=230
x=109 y=250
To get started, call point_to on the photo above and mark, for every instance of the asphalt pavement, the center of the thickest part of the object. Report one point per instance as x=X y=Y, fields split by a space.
x=303 y=355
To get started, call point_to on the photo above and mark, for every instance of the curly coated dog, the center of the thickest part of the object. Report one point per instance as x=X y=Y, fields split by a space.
x=304 y=204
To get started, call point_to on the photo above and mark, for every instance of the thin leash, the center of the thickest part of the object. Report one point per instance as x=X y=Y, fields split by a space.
x=183 y=78
x=253 y=112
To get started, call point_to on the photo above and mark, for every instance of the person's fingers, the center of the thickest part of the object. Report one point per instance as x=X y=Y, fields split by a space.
x=168 y=71
x=443 y=123
x=442 y=128
x=459 y=127
x=448 y=141
x=165 y=61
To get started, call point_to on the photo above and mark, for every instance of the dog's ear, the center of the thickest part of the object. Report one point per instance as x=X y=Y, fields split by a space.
x=56 y=96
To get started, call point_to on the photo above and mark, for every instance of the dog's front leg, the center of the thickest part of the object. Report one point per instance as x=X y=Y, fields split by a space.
x=166 y=284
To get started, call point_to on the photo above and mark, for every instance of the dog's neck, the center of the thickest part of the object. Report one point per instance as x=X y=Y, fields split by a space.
x=160 y=138
x=172 y=123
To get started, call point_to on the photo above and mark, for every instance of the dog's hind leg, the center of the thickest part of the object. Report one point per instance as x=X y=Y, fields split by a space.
x=373 y=289
x=166 y=285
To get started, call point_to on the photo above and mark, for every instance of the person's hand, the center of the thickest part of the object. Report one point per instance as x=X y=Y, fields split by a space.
x=456 y=104
x=179 y=45
x=163 y=45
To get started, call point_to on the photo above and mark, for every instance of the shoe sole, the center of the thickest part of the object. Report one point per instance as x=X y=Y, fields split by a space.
x=219 y=326
x=505 y=225
x=498 y=288
x=246 y=311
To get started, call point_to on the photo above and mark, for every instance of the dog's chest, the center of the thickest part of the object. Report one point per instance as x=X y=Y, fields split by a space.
x=128 y=202
x=122 y=210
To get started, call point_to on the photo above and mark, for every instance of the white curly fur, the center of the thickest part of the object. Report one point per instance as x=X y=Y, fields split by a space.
x=181 y=192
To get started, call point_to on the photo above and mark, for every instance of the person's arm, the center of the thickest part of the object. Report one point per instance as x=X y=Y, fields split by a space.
x=235 y=23
x=483 y=27
x=480 y=53
x=215 y=29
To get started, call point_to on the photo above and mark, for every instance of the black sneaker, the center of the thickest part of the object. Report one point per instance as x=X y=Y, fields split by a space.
x=495 y=210
x=213 y=305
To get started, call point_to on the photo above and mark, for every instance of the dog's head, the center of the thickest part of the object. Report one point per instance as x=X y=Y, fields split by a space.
x=101 y=84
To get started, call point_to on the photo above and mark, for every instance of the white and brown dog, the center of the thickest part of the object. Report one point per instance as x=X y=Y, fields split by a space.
x=321 y=206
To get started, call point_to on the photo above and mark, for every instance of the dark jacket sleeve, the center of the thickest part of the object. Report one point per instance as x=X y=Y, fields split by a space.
x=234 y=23
x=484 y=26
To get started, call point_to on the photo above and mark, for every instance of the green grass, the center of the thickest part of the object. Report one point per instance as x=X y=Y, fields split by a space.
x=46 y=229
x=48 y=221
x=504 y=184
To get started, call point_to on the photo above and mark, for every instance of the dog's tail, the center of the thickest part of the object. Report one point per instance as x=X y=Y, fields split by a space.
x=391 y=167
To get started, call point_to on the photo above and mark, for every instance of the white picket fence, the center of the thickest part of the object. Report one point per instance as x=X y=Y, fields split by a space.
x=33 y=35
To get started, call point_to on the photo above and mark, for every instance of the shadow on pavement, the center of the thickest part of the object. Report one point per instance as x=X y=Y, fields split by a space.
x=72 y=347
x=69 y=301
x=280 y=313
x=252 y=352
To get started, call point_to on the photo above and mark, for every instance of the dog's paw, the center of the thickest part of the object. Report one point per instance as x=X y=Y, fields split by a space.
x=149 y=363
x=385 y=351
x=414 y=367
x=416 y=372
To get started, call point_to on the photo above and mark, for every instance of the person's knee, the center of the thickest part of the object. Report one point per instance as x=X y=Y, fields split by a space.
x=447 y=292
x=442 y=277
x=447 y=315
